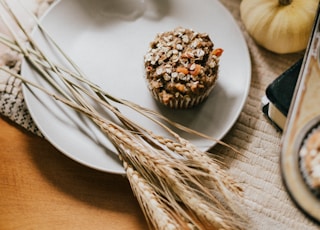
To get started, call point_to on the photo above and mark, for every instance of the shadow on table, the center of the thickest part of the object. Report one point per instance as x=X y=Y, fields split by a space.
x=96 y=188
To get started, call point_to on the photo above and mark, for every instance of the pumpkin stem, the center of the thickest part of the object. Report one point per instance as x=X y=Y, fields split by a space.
x=284 y=2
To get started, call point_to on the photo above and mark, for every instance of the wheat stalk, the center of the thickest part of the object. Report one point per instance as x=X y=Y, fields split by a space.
x=177 y=185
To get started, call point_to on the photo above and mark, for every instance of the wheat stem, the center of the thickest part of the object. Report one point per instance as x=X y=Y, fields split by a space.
x=150 y=114
x=177 y=185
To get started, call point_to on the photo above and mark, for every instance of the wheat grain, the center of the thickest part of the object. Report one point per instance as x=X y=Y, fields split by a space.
x=153 y=207
x=177 y=185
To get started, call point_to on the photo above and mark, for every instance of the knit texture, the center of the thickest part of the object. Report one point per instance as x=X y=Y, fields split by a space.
x=266 y=201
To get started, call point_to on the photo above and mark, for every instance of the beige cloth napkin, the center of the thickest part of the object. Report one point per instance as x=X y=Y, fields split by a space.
x=12 y=104
x=266 y=201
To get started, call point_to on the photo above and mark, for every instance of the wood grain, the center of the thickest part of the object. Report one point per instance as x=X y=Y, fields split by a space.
x=42 y=189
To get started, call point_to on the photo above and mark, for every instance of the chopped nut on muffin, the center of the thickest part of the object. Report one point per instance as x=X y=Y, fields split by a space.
x=181 y=67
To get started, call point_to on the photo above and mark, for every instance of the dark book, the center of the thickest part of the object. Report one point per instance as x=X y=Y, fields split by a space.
x=279 y=95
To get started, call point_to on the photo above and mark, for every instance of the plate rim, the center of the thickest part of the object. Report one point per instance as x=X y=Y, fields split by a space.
x=245 y=93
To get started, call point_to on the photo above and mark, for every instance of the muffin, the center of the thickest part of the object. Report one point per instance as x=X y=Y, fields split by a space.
x=181 y=67
x=310 y=160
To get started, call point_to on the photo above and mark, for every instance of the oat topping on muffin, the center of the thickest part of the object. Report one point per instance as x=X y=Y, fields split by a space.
x=181 y=67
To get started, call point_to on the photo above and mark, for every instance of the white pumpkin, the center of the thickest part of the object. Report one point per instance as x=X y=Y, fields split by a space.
x=282 y=26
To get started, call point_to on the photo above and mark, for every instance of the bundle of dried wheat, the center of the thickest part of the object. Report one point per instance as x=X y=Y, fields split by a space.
x=177 y=185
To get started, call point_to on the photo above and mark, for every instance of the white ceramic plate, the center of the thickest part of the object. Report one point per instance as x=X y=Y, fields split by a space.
x=107 y=39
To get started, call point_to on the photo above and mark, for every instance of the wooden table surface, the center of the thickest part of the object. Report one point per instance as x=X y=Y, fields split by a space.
x=40 y=188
